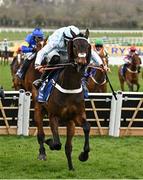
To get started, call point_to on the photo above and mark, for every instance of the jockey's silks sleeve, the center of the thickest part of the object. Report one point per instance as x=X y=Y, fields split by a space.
x=28 y=45
x=25 y=48
x=95 y=58
x=55 y=41
x=42 y=53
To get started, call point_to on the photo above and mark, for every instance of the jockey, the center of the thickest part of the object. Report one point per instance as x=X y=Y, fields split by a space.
x=102 y=52
x=57 y=42
x=99 y=48
x=29 y=50
x=128 y=58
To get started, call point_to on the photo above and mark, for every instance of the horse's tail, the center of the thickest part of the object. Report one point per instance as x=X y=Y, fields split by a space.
x=69 y=113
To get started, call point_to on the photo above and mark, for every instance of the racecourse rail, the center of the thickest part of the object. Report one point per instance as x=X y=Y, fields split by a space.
x=106 y=115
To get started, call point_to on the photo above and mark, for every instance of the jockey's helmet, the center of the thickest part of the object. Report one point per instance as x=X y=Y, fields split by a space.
x=37 y=32
x=99 y=42
x=68 y=32
x=132 y=48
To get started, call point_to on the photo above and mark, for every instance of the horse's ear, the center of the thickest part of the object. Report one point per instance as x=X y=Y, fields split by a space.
x=73 y=34
x=70 y=51
x=89 y=54
x=87 y=33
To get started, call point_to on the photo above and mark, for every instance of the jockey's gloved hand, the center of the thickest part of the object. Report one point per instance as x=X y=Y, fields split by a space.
x=39 y=68
x=104 y=68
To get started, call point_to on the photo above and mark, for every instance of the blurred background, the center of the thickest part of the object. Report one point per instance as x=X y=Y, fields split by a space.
x=118 y=23
x=94 y=14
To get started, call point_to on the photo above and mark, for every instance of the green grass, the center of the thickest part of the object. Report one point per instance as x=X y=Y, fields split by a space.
x=5 y=77
x=21 y=35
x=11 y=36
x=109 y=158
x=6 y=80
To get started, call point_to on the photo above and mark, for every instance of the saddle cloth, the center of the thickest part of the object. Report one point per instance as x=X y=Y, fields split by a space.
x=46 y=89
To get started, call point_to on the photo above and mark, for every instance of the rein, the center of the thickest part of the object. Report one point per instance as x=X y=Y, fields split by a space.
x=98 y=82
x=93 y=79
x=57 y=66
x=134 y=72
x=95 y=67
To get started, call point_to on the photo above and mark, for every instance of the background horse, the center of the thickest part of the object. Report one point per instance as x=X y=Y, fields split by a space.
x=30 y=75
x=66 y=104
x=131 y=74
x=97 y=80
x=14 y=66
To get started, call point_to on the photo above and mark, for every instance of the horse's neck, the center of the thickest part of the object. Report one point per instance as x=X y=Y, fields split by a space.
x=132 y=66
x=99 y=76
x=70 y=78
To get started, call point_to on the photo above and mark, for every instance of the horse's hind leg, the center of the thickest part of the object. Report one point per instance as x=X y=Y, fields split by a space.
x=68 y=145
x=84 y=155
x=54 y=143
x=40 y=136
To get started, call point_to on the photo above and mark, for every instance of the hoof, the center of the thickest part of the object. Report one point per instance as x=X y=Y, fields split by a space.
x=49 y=142
x=83 y=156
x=42 y=157
x=71 y=169
x=53 y=146
x=57 y=146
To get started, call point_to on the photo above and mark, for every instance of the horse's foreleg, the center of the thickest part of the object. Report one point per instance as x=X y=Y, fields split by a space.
x=54 y=143
x=40 y=135
x=68 y=145
x=138 y=87
x=130 y=85
x=84 y=155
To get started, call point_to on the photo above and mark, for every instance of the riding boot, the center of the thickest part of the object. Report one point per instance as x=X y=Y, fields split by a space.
x=84 y=85
x=124 y=69
x=22 y=70
x=38 y=82
x=84 y=81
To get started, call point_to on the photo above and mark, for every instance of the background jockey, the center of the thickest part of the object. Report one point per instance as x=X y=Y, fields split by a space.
x=29 y=50
x=57 y=42
x=100 y=49
x=128 y=58
x=102 y=52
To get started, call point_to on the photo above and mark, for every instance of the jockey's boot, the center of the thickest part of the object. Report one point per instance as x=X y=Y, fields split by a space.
x=22 y=70
x=38 y=82
x=84 y=85
x=124 y=69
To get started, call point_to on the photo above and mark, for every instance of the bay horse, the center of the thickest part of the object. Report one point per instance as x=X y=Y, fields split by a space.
x=66 y=102
x=131 y=74
x=26 y=83
x=14 y=66
x=97 y=80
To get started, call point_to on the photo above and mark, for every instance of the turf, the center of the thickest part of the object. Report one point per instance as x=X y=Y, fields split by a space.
x=109 y=158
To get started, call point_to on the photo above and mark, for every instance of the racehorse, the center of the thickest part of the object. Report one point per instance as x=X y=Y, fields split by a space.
x=131 y=75
x=97 y=80
x=4 y=57
x=14 y=66
x=25 y=83
x=66 y=102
